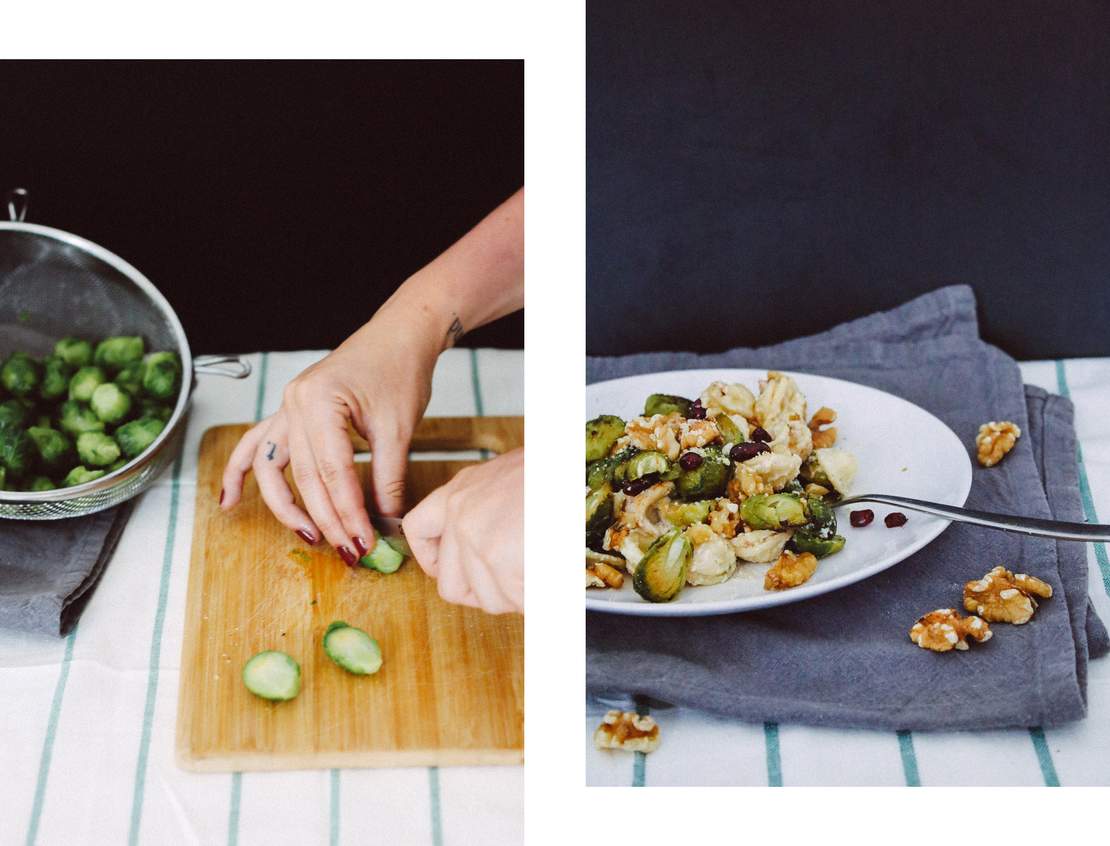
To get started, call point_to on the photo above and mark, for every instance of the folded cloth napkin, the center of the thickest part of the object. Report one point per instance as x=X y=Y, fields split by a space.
x=845 y=658
x=49 y=568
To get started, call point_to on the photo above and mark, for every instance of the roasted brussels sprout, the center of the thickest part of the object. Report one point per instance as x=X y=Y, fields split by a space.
x=645 y=463
x=661 y=573
x=130 y=379
x=74 y=351
x=601 y=433
x=773 y=511
x=604 y=469
x=599 y=514
x=118 y=352
x=708 y=479
x=686 y=513
x=136 y=436
x=161 y=374
x=666 y=404
x=794 y=486
x=79 y=475
x=13 y=413
x=730 y=432
x=110 y=403
x=17 y=452
x=55 y=378
x=822 y=519
x=806 y=540
x=97 y=449
x=76 y=418
x=54 y=449
x=20 y=374
x=41 y=483
x=85 y=381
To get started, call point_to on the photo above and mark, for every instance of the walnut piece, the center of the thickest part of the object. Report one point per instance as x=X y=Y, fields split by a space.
x=1004 y=597
x=995 y=440
x=823 y=437
x=667 y=433
x=790 y=571
x=944 y=630
x=627 y=730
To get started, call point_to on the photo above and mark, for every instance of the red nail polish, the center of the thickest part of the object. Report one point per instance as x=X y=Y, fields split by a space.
x=361 y=546
x=349 y=557
x=221 y=496
x=306 y=536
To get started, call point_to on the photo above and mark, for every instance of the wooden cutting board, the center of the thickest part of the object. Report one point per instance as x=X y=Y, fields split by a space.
x=450 y=690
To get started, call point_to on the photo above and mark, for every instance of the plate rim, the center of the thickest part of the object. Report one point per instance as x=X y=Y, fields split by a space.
x=777 y=598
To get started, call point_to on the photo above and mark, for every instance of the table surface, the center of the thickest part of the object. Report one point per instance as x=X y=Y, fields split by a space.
x=704 y=750
x=87 y=722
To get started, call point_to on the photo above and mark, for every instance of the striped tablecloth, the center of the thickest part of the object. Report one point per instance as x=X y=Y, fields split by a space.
x=703 y=750
x=87 y=722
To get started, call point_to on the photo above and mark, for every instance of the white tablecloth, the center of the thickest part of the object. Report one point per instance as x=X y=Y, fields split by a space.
x=700 y=749
x=87 y=722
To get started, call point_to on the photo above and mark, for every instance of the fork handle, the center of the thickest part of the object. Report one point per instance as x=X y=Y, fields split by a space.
x=1060 y=529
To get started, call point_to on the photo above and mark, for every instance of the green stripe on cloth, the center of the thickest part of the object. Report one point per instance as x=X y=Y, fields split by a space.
x=433 y=795
x=774 y=758
x=1044 y=757
x=1085 y=486
x=333 y=826
x=909 y=759
x=155 y=654
x=48 y=742
x=476 y=384
x=263 y=367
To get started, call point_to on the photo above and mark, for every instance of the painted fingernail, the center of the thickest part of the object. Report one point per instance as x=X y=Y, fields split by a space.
x=361 y=546
x=349 y=557
x=306 y=536
x=221 y=496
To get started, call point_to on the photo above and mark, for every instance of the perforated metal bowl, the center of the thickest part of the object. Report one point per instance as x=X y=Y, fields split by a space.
x=54 y=284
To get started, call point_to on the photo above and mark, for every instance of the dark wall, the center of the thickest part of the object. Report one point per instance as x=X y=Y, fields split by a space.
x=276 y=204
x=786 y=166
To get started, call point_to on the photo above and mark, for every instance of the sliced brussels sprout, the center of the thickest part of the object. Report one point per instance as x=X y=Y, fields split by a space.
x=686 y=513
x=706 y=481
x=645 y=463
x=666 y=404
x=21 y=374
x=773 y=511
x=599 y=514
x=661 y=573
x=601 y=433
x=807 y=540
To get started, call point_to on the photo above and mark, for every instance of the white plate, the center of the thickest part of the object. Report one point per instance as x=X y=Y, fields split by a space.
x=901 y=449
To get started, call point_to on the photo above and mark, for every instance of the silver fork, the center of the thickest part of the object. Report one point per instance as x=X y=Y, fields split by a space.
x=1061 y=529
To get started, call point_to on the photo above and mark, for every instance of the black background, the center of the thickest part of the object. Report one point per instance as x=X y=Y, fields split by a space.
x=776 y=168
x=275 y=204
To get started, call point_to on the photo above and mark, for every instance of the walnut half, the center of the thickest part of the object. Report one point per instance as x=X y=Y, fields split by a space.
x=627 y=730
x=995 y=440
x=1004 y=597
x=790 y=571
x=943 y=630
x=823 y=437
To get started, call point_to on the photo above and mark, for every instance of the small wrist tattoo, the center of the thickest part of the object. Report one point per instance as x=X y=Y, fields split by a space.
x=454 y=331
x=270 y=452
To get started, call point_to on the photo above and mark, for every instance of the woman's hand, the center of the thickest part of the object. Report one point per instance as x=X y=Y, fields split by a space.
x=469 y=535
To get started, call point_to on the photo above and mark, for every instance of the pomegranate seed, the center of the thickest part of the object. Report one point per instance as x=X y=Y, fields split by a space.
x=861 y=518
x=690 y=461
x=746 y=450
x=697 y=412
x=760 y=434
x=895 y=519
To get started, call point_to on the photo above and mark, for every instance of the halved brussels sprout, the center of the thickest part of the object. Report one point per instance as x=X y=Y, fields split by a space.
x=644 y=463
x=730 y=432
x=773 y=511
x=706 y=481
x=686 y=513
x=661 y=573
x=601 y=471
x=822 y=519
x=599 y=514
x=666 y=404
x=806 y=540
x=601 y=433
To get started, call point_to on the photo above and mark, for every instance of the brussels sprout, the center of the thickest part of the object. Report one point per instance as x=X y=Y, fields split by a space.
x=54 y=449
x=794 y=487
x=41 y=483
x=17 y=452
x=686 y=513
x=601 y=471
x=130 y=379
x=808 y=541
x=822 y=519
x=13 y=413
x=661 y=573
x=109 y=403
x=161 y=374
x=666 y=404
x=79 y=475
x=21 y=374
x=85 y=381
x=97 y=449
x=599 y=513
x=601 y=433
x=708 y=479
x=773 y=511
x=730 y=432
x=116 y=353
x=74 y=351
x=76 y=417
x=118 y=464
x=158 y=410
x=55 y=378
x=645 y=463
x=134 y=437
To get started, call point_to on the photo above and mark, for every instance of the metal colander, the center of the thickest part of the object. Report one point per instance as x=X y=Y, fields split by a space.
x=54 y=284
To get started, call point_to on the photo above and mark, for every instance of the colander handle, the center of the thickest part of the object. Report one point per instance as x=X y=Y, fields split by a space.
x=221 y=365
x=17 y=204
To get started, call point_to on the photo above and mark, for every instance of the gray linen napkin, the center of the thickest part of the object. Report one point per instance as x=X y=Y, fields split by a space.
x=845 y=658
x=48 y=569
